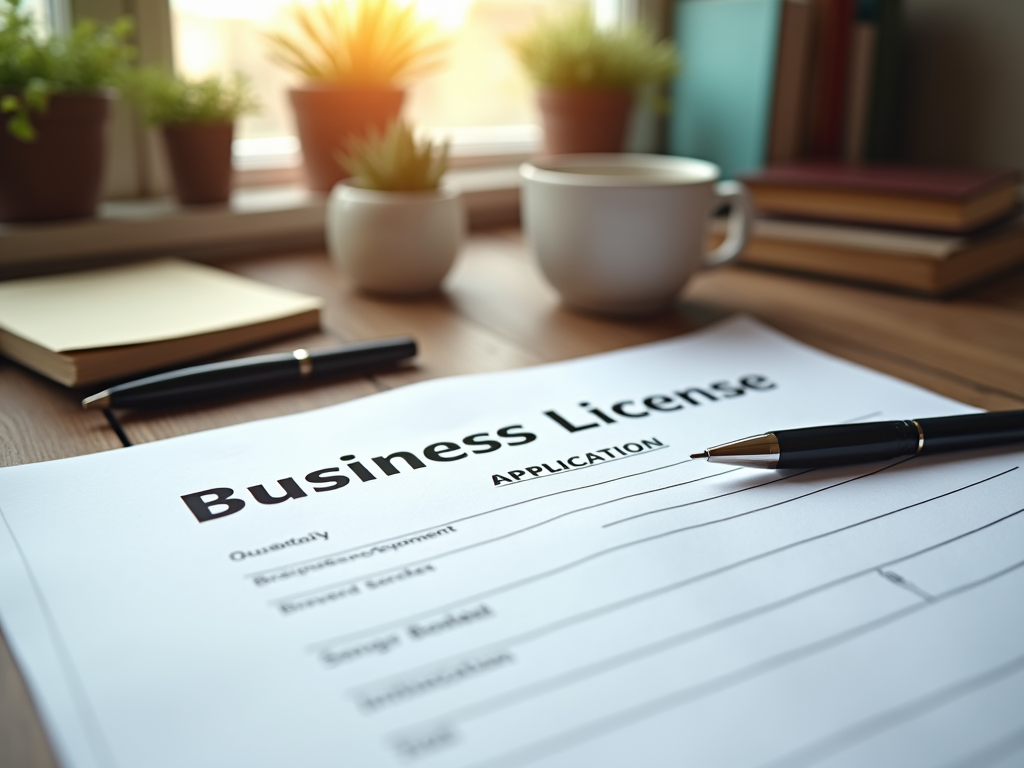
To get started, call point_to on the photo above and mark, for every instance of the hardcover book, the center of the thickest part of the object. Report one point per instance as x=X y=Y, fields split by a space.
x=949 y=200
x=921 y=262
x=830 y=70
x=739 y=100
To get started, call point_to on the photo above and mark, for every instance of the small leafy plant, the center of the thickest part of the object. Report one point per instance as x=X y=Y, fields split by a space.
x=168 y=100
x=33 y=67
x=379 y=43
x=572 y=52
x=394 y=160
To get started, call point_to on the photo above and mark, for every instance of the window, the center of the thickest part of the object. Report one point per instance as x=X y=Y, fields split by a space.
x=49 y=14
x=480 y=98
x=482 y=101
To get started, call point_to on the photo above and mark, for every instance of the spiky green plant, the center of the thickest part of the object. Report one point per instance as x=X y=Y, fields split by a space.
x=33 y=67
x=380 y=43
x=395 y=160
x=571 y=51
x=168 y=100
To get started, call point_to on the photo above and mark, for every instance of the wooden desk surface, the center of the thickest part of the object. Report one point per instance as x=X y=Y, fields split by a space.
x=497 y=313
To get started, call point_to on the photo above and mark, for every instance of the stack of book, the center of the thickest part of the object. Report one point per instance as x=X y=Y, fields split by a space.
x=925 y=230
x=770 y=81
x=799 y=99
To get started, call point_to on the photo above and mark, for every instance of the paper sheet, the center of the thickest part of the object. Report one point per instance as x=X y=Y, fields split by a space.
x=525 y=568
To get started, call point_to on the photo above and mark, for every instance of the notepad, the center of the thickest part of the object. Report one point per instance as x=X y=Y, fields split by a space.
x=526 y=568
x=103 y=324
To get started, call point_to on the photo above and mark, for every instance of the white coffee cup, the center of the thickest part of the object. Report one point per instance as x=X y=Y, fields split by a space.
x=622 y=233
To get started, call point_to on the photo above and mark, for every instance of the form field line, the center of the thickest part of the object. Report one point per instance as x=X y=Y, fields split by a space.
x=396 y=537
x=596 y=555
x=483 y=542
x=683 y=696
x=528 y=691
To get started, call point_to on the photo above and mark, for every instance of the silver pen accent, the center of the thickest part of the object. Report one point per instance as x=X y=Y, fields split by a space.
x=758 y=451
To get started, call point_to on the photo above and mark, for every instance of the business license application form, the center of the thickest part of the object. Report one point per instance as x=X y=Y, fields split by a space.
x=526 y=569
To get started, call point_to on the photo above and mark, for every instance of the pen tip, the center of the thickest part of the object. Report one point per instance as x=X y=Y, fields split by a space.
x=99 y=400
x=701 y=455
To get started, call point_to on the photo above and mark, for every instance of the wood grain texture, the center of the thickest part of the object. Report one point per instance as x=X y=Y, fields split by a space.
x=498 y=286
x=966 y=340
x=41 y=420
x=450 y=343
x=495 y=313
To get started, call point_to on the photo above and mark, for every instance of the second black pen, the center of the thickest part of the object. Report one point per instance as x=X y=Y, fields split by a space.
x=232 y=376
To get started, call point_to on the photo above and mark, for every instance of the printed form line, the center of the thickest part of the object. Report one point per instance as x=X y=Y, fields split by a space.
x=350 y=550
x=483 y=542
x=596 y=555
x=570 y=565
x=895 y=716
x=682 y=637
x=692 y=693
x=296 y=563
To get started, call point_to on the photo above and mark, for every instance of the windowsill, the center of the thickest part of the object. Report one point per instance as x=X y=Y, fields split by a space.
x=256 y=219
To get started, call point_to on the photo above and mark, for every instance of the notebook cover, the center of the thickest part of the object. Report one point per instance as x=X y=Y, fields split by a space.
x=946 y=183
x=722 y=97
x=140 y=303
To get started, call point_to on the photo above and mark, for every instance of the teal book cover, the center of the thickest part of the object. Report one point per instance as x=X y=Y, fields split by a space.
x=722 y=98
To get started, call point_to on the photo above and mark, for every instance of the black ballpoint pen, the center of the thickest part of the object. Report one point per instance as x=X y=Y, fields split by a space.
x=233 y=376
x=873 y=441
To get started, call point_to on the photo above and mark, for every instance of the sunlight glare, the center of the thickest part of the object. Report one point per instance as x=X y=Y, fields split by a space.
x=447 y=14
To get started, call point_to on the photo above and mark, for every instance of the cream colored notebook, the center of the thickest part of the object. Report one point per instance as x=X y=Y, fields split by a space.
x=97 y=325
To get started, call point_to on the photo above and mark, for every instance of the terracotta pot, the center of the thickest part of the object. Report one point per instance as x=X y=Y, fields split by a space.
x=328 y=116
x=397 y=243
x=200 y=157
x=60 y=174
x=584 y=120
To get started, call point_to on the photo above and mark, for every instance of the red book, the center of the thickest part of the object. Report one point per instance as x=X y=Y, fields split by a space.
x=945 y=199
x=831 y=63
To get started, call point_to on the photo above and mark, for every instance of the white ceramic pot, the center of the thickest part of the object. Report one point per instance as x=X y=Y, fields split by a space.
x=400 y=243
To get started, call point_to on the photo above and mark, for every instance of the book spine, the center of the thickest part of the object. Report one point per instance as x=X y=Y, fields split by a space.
x=722 y=98
x=883 y=140
x=792 y=72
x=858 y=92
x=832 y=58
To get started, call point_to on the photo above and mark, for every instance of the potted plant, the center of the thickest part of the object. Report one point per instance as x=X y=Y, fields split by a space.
x=197 y=120
x=587 y=77
x=393 y=226
x=55 y=96
x=355 y=57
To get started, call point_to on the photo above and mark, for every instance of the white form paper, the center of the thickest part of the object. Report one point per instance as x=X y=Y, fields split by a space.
x=525 y=568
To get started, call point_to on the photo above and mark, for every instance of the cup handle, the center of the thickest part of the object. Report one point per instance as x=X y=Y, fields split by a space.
x=741 y=217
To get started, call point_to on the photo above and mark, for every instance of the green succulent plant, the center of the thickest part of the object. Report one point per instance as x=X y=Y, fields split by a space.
x=379 y=43
x=33 y=66
x=169 y=100
x=572 y=51
x=395 y=160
